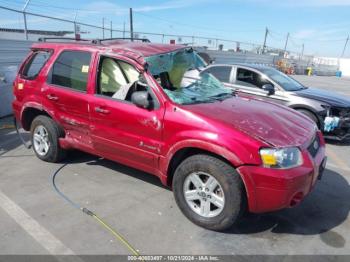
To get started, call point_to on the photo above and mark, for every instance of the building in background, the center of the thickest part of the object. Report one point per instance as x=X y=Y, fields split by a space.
x=33 y=35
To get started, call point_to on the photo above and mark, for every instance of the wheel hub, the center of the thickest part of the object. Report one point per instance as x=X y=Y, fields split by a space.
x=204 y=194
x=41 y=140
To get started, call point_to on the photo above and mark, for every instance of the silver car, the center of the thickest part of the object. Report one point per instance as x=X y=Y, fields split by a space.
x=329 y=110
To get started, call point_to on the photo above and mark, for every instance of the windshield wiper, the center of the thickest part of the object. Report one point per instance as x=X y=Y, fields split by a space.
x=222 y=96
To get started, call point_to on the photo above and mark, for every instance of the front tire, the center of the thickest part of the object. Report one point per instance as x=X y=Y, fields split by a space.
x=209 y=192
x=45 y=134
x=310 y=115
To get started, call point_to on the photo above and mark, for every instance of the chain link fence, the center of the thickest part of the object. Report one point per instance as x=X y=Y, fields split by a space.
x=24 y=26
x=31 y=26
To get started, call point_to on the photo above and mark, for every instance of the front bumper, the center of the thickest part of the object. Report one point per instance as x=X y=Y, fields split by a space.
x=273 y=189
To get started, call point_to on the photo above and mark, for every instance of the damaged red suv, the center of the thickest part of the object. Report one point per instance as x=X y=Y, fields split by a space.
x=128 y=102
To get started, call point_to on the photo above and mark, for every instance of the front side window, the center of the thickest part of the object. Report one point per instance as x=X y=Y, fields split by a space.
x=118 y=79
x=71 y=70
x=286 y=82
x=249 y=78
x=35 y=63
x=179 y=75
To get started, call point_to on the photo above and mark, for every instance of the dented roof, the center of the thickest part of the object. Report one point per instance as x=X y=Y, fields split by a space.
x=141 y=48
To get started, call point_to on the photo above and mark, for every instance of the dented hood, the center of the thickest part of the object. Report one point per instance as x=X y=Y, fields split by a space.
x=276 y=125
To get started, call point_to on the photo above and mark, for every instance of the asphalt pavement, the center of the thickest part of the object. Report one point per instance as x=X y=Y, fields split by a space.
x=36 y=220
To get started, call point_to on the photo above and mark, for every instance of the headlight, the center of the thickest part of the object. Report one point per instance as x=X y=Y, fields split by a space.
x=281 y=158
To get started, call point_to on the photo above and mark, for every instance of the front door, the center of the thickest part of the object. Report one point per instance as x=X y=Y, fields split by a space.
x=120 y=130
x=248 y=83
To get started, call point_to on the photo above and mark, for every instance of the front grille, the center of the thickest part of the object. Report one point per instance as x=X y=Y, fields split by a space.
x=314 y=146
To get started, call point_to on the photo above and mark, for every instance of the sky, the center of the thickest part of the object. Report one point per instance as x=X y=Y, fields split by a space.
x=321 y=25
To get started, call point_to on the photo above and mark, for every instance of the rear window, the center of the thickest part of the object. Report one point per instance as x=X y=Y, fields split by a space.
x=71 y=70
x=222 y=73
x=35 y=63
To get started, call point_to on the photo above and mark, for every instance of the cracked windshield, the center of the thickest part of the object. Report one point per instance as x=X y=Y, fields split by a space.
x=179 y=73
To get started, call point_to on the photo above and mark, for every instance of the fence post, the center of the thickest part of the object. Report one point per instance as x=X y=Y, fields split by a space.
x=25 y=25
x=111 y=29
x=103 y=28
x=75 y=25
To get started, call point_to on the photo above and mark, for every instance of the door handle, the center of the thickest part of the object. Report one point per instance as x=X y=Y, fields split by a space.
x=52 y=97
x=101 y=110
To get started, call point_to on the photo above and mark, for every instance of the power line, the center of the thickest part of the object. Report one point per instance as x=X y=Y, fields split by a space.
x=194 y=26
x=318 y=39
x=346 y=43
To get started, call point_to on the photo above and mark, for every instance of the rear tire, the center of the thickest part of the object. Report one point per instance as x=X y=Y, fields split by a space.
x=226 y=204
x=45 y=134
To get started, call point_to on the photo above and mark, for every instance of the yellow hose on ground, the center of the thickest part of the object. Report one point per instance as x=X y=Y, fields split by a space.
x=117 y=235
x=7 y=127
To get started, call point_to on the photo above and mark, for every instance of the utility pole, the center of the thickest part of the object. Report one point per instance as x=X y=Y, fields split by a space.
x=103 y=28
x=25 y=19
x=124 y=30
x=75 y=25
x=131 y=26
x=346 y=43
x=285 y=46
x=265 y=38
x=111 y=29
x=302 y=51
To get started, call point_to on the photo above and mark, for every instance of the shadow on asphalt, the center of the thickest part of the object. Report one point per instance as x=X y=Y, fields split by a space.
x=338 y=143
x=323 y=209
x=9 y=140
x=80 y=157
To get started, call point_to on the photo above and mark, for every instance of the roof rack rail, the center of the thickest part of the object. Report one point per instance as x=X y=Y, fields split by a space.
x=99 y=41
x=44 y=39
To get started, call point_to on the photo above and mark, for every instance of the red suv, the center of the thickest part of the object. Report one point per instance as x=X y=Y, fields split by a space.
x=127 y=101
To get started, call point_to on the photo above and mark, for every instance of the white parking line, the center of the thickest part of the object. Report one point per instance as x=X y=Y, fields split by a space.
x=53 y=245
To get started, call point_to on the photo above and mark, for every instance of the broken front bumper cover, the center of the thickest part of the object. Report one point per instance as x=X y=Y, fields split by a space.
x=339 y=132
x=336 y=124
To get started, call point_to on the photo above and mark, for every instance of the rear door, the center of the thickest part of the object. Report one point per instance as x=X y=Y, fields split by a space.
x=66 y=92
x=223 y=73
x=120 y=130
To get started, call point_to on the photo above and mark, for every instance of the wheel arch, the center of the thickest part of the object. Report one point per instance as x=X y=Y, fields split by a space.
x=29 y=113
x=183 y=153
x=310 y=110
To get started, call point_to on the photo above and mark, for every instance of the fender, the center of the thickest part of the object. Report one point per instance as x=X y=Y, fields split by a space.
x=306 y=107
x=36 y=105
x=318 y=114
x=164 y=162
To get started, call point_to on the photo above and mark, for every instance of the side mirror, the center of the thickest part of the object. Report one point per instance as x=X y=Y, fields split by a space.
x=141 y=99
x=269 y=88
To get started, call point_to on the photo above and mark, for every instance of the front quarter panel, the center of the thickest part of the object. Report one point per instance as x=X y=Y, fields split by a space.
x=314 y=106
x=184 y=129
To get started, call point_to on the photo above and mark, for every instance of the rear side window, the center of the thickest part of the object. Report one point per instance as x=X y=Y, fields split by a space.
x=222 y=73
x=71 y=70
x=35 y=63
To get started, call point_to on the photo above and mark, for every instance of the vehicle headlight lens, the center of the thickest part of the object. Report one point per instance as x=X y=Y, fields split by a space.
x=281 y=158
